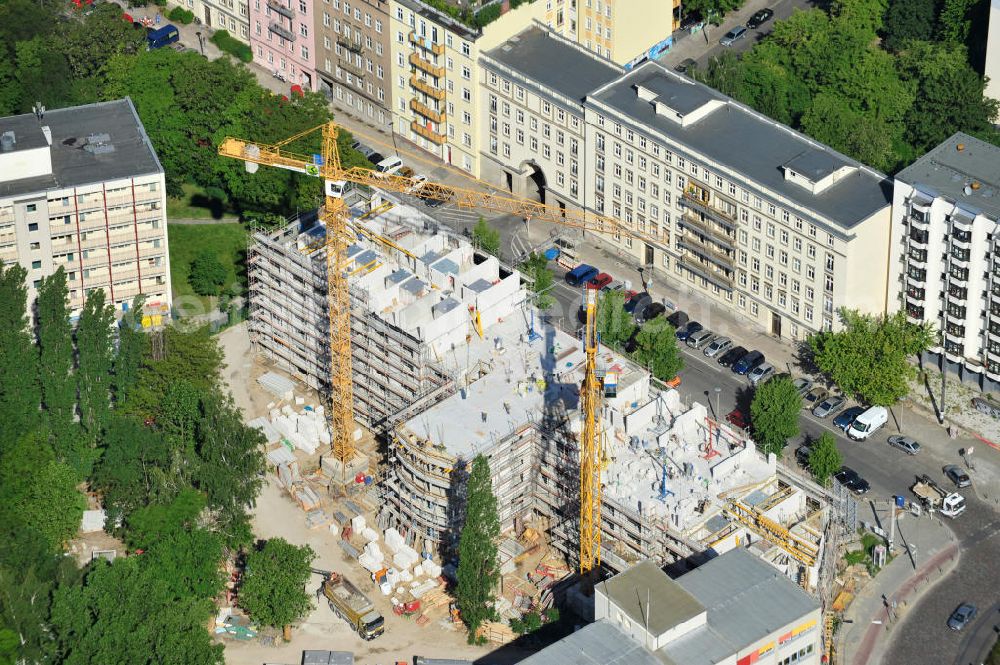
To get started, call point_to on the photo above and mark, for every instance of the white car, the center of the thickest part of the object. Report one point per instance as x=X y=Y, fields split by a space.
x=416 y=182
x=760 y=373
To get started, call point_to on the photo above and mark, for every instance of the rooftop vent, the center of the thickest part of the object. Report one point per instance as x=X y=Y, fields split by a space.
x=7 y=142
x=960 y=147
x=99 y=144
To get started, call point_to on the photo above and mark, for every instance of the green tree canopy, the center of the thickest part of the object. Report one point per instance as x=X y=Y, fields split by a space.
x=909 y=20
x=774 y=414
x=478 y=567
x=614 y=324
x=486 y=238
x=273 y=590
x=95 y=355
x=20 y=395
x=55 y=348
x=656 y=348
x=869 y=358
x=207 y=274
x=536 y=266
x=824 y=458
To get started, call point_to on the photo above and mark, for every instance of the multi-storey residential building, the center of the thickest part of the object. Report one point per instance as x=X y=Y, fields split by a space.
x=232 y=16
x=626 y=30
x=353 y=54
x=281 y=37
x=754 y=215
x=945 y=254
x=533 y=116
x=81 y=188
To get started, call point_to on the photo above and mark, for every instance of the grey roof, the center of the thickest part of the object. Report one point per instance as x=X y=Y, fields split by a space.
x=702 y=646
x=480 y=285
x=400 y=275
x=75 y=160
x=600 y=643
x=681 y=98
x=447 y=266
x=814 y=163
x=945 y=171
x=444 y=306
x=553 y=63
x=645 y=589
x=747 y=598
x=749 y=144
x=414 y=286
x=366 y=257
x=313 y=657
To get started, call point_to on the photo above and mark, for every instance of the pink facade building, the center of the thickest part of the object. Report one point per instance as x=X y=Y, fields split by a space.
x=281 y=39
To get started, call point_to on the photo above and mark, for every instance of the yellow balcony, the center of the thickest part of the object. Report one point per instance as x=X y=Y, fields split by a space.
x=424 y=66
x=426 y=111
x=426 y=44
x=427 y=89
x=428 y=134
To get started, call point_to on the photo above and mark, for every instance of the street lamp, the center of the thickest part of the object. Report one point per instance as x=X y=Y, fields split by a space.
x=718 y=390
x=201 y=42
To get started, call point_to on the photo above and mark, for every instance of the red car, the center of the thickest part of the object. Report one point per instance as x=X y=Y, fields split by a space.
x=631 y=293
x=599 y=282
x=737 y=419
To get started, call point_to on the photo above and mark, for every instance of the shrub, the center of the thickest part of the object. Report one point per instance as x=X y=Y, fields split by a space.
x=234 y=47
x=181 y=15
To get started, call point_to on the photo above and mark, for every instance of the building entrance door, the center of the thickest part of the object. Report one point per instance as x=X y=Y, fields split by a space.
x=649 y=255
x=776 y=324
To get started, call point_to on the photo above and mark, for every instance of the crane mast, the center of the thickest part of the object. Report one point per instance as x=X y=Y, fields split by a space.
x=590 y=448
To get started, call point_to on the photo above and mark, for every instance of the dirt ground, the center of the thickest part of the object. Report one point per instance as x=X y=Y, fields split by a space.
x=276 y=515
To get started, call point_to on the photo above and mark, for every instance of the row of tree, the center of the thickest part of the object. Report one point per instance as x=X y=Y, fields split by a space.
x=94 y=405
x=881 y=82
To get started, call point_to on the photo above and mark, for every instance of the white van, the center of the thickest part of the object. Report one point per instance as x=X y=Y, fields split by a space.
x=868 y=422
x=389 y=165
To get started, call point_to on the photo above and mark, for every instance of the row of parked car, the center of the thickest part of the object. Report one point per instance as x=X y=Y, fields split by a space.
x=727 y=353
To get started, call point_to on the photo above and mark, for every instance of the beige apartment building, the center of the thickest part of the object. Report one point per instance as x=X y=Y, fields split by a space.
x=353 y=57
x=82 y=188
x=232 y=16
x=737 y=207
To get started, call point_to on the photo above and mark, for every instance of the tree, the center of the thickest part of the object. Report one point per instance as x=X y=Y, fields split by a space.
x=774 y=414
x=868 y=358
x=132 y=467
x=273 y=590
x=20 y=395
x=478 y=568
x=656 y=349
x=614 y=324
x=955 y=20
x=131 y=346
x=55 y=349
x=207 y=275
x=102 y=34
x=486 y=237
x=536 y=267
x=909 y=20
x=712 y=9
x=824 y=458
x=94 y=359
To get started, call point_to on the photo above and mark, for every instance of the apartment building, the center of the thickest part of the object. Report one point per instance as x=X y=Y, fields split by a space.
x=353 y=57
x=533 y=115
x=82 y=188
x=945 y=255
x=232 y=16
x=626 y=31
x=282 y=36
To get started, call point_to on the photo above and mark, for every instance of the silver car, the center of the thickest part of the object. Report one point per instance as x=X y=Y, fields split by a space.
x=957 y=476
x=700 y=339
x=718 y=346
x=904 y=443
x=760 y=373
x=829 y=406
x=802 y=385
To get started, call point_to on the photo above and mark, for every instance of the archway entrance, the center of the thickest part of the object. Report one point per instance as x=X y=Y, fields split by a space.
x=536 y=182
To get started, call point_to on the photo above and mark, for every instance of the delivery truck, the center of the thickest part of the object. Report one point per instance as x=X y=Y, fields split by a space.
x=351 y=605
x=934 y=497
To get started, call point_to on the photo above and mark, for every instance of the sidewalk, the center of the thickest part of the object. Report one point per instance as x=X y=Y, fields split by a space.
x=870 y=619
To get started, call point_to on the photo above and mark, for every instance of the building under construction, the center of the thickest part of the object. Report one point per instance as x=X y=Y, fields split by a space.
x=451 y=361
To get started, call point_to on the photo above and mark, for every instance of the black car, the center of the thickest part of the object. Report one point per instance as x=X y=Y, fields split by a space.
x=732 y=355
x=691 y=328
x=637 y=304
x=760 y=18
x=678 y=319
x=853 y=481
x=685 y=65
x=376 y=157
x=652 y=311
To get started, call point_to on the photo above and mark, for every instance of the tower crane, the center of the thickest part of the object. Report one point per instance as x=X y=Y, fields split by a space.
x=328 y=166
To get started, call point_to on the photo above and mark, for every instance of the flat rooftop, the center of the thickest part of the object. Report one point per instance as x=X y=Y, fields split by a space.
x=600 y=643
x=547 y=59
x=644 y=587
x=75 y=161
x=749 y=144
x=946 y=171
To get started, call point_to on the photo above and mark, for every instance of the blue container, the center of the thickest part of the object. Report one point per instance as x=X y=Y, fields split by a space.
x=551 y=254
x=369 y=480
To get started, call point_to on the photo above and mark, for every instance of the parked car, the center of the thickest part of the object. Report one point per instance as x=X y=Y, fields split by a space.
x=581 y=274
x=416 y=182
x=718 y=346
x=748 y=362
x=962 y=616
x=653 y=310
x=852 y=480
x=734 y=35
x=802 y=385
x=699 y=339
x=678 y=319
x=615 y=285
x=730 y=357
x=600 y=281
x=759 y=18
x=685 y=65
x=760 y=373
x=691 y=328
x=637 y=304
x=847 y=416
x=737 y=418
x=957 y=475
x=904 y=443
x=869 y=422
x=802 y=454
x=829 y=406
x=814 y=397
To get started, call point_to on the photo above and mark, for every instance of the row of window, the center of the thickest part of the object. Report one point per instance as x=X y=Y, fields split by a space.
x=421 y=28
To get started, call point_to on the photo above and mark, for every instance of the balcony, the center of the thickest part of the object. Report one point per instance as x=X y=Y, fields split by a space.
x=281 y=8
x=348 y=65
x=356 y=47
x=282 y=32
x=706 y=250
x=427 y=111
x=694 y=222
x=427 y=88
x=424 y=66
x=693 y=201
x=426 y=44
x=714 y=275
x=428 y=134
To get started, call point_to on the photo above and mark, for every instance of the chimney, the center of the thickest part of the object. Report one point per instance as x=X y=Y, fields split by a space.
x=48 y=134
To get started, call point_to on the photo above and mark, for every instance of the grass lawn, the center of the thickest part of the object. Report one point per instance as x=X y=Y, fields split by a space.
x=195 y=205
x=228 y=240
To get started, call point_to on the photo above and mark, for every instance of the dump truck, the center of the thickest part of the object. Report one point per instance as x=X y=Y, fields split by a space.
x=934 y=497
x=351 y=605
